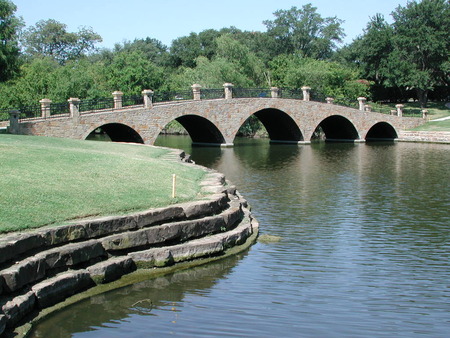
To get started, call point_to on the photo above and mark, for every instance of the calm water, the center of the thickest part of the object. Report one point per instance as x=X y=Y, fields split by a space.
x=364 y=252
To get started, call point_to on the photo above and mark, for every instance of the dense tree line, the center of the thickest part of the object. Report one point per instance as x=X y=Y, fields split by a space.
x=408 y=58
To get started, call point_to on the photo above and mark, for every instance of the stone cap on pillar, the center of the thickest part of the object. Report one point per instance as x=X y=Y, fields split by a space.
x=74 y=100
x=45 y=102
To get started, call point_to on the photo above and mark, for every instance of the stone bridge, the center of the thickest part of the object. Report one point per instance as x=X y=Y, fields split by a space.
x=217 y=121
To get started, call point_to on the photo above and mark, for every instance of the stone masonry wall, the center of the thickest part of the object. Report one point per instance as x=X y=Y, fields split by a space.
x=425 y=136
x=226 y=115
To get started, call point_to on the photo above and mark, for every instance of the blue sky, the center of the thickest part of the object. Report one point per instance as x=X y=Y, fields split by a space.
x=166 y=20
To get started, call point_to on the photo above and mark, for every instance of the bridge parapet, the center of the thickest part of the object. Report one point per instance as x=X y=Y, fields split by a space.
x=75 y=108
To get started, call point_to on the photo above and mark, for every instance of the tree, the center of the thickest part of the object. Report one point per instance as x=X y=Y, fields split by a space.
x=420 y=59
x=305 y=32
x=209 y=74
x=153 y=49
x=185 y=50
x=373 y=49
x=9 y=49
x=245 y=61
x=50 y=38
x=324 y=77
x=132 y=72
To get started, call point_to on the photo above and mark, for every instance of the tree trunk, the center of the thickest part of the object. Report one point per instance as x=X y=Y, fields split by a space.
x=422 y=96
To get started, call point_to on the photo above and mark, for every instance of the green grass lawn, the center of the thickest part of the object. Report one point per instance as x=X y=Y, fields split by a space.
x=436 y=110
x=50 y=180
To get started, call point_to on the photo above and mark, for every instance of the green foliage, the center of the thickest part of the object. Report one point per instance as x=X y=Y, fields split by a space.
x=246 y=62
x=209 y=74
x=304 y=32
x=131 y=72
x=412 y=52
x=422 y=45
x=298 y=49
x=46 y=78
x=154 y=50
x=9 y=50
x=325 y=77
x=49 y=38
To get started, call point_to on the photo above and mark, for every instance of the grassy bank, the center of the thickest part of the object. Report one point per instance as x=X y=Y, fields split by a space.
x=436 y=111
x=48 y=181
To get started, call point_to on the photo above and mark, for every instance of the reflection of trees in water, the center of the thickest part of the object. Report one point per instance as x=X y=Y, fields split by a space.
x=137 y=299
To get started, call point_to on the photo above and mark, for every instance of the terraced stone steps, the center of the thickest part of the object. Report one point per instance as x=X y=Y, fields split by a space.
x=43 y=267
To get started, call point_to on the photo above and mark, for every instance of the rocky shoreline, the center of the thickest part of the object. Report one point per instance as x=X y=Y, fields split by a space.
x=43 y=267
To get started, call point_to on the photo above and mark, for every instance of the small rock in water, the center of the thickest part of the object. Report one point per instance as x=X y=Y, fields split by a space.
x=269 y=239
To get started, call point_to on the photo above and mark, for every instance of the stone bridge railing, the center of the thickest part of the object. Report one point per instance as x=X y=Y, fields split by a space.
x=76 y=107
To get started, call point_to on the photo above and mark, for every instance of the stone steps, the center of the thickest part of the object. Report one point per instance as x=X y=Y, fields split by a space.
x=43 y=267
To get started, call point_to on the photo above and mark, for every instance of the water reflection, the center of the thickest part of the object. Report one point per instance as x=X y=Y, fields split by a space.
x=365 y=249
x=111 y=313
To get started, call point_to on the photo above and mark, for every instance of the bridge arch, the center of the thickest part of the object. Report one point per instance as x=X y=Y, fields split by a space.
x=338 y=128
x=118 y=132
x=201 y=130
x=381 y=131
x=280 y=126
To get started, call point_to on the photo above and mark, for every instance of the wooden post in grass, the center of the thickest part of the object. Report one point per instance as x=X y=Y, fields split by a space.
x=174 y=185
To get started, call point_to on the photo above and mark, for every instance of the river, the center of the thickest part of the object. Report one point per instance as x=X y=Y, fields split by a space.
x=363 y=251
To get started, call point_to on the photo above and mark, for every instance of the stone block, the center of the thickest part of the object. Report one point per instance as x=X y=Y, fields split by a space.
x=23 y=273
x=58 y=288
x=160 y=215
x=239 y=235
x=73 y=254
x=202 y=227
x=63 y=234
x=18 y=307
x=157 y=257
x=109 y=225
x=112 y=269
x=14 y=245
x=144 y=237
x=204 y=208
x=207 y=246
x=232 y=216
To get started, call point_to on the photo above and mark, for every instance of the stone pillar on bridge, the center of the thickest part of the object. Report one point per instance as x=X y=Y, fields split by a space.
x=117 y=99
x=196 y=91
x=148 y=98
x=367 y=108
x=14 y=117
x=74 y=107
x=228 y=87
x=399 y=109
x=306 y=93
x=45 y=107
x=362 y=103
x=330 y=100
x=274 y=92
x=424 y=114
